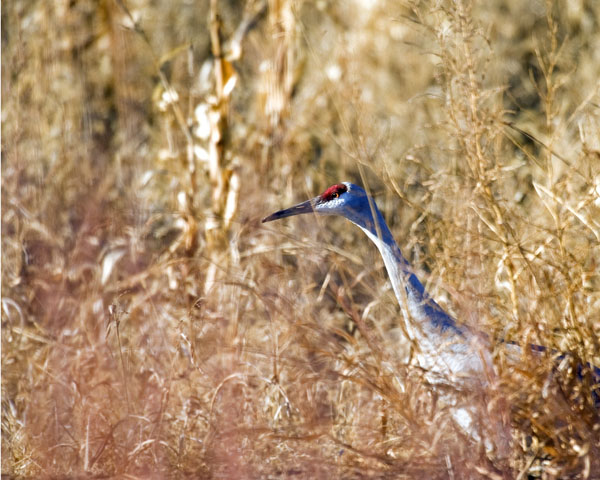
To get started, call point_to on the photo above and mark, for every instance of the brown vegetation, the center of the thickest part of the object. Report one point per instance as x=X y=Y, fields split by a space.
x=153 y=328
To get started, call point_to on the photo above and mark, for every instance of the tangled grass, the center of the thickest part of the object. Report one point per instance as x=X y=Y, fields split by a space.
x=153 y=328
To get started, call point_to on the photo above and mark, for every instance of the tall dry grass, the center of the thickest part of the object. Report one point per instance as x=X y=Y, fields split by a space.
x=153 y=328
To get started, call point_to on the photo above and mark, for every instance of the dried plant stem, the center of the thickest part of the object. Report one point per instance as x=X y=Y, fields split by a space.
x=115 y=317
x=218 y=115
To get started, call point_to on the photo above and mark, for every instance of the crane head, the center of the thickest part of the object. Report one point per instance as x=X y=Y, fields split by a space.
x=344 y=199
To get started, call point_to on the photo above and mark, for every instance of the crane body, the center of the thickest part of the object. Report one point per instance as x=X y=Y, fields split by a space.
x=445 y=350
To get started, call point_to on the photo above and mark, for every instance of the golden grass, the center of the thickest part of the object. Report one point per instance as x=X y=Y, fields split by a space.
x=153 y=328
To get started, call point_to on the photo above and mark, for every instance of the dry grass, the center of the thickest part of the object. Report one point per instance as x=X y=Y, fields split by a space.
x=153 y=328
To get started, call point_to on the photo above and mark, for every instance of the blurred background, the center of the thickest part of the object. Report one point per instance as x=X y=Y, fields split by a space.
x=153 y=327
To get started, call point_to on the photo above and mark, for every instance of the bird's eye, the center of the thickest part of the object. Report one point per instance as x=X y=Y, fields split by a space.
x=335 y=195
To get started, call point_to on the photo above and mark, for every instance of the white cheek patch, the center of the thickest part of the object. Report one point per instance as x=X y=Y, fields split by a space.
x=331 y=207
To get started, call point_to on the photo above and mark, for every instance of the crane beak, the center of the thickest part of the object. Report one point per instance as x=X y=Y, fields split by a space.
x=304 y=207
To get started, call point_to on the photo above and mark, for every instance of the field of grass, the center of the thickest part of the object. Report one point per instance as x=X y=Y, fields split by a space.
x=152 y=327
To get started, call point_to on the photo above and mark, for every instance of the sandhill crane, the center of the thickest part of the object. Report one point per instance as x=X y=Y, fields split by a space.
x=445 y=350
x=428 y=325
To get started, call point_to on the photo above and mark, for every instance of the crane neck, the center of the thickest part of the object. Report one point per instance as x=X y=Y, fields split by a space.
x=416 y=304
